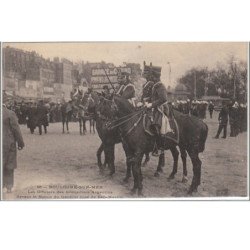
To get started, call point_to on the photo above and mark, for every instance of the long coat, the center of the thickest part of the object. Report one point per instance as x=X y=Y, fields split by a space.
x=41 y=115
x=11 y=138
x=223 y=116
x=159 y=97
x=31 y=114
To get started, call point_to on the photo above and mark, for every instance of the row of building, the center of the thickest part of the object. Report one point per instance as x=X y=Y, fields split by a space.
x=28 y=75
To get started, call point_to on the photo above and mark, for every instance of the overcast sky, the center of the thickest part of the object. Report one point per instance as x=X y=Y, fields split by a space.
x=182 y=56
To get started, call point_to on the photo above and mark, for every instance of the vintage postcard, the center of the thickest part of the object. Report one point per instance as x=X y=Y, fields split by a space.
x=124 y=120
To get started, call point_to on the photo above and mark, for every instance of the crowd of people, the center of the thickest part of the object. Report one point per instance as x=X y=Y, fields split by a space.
x=236 y=115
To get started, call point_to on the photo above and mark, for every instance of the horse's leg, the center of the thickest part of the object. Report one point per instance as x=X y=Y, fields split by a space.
x=129 y=162
x=45 y=129
x=161 y=164
x=80 y=125
x=93 y=126
x=147 y=158
x=138 y=161
x=63 y=122
x=40 y=129
x=184 y=163
x=84 y=124
x=67 y=125
x=98 y=154
x=109 y=155
x=112 y=160
x=90 y=126
x=196 y=162
x=175 y=154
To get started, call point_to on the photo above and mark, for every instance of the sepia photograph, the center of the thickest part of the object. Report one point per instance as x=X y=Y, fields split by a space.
x=124 y=120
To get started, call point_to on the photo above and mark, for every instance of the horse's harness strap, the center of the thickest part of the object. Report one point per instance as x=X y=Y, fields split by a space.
x=134 y=125
x=126 y=120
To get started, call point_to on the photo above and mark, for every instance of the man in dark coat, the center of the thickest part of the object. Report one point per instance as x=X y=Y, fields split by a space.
x=11 y=136
x=42 y=118
x=211 y=109
x=31 y=117
x=158 y=98
x=234 y=119
x=223 y=120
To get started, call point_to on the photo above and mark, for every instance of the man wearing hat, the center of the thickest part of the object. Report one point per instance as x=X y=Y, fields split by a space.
x=147 y=87
x=42 y=118
x=12 y=138
x=223 y=120
x=127 y=89
x=105 y=92
x=211 y=109
x=158 y=98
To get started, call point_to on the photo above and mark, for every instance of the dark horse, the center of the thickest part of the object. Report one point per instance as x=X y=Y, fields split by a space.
x=111 y=137
x=193 y=134
x=108 y=137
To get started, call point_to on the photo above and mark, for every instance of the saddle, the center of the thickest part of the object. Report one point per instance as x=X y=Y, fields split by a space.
x=169 y=127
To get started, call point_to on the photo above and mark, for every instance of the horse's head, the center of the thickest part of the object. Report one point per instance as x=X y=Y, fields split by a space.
x=122 y=105
x=106 y=108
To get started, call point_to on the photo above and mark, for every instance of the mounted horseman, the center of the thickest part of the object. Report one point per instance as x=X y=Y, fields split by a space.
x=155 y=100
x=126 y=89
x=139 y=131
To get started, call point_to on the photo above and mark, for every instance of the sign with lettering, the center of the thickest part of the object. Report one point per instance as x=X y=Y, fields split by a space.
x=102 y=76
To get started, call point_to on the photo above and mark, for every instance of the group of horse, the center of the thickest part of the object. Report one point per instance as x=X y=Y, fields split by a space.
x=118 y=121
x=82 y=108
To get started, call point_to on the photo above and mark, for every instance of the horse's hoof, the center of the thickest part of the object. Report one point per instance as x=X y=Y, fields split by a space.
x=125 y=180
x=111 y=173
x=140 y=193
x=133 y=191
x=101 y=171
x=160 y=170
x=192 y=190
x=184 y=179
x=156 y=174
x=171 y=177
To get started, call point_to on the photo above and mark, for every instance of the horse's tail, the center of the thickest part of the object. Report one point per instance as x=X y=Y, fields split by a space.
x=203 y=138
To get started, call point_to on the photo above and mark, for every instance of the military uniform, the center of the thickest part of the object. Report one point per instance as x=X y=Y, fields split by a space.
x=159 y=97
x=147 y=91
x=127 y=91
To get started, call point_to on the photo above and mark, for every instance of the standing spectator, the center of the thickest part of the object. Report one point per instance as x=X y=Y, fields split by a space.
x=12 y=138
x=234 y=119
x=42 y=118
x=223 y=120
x=211 y=109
